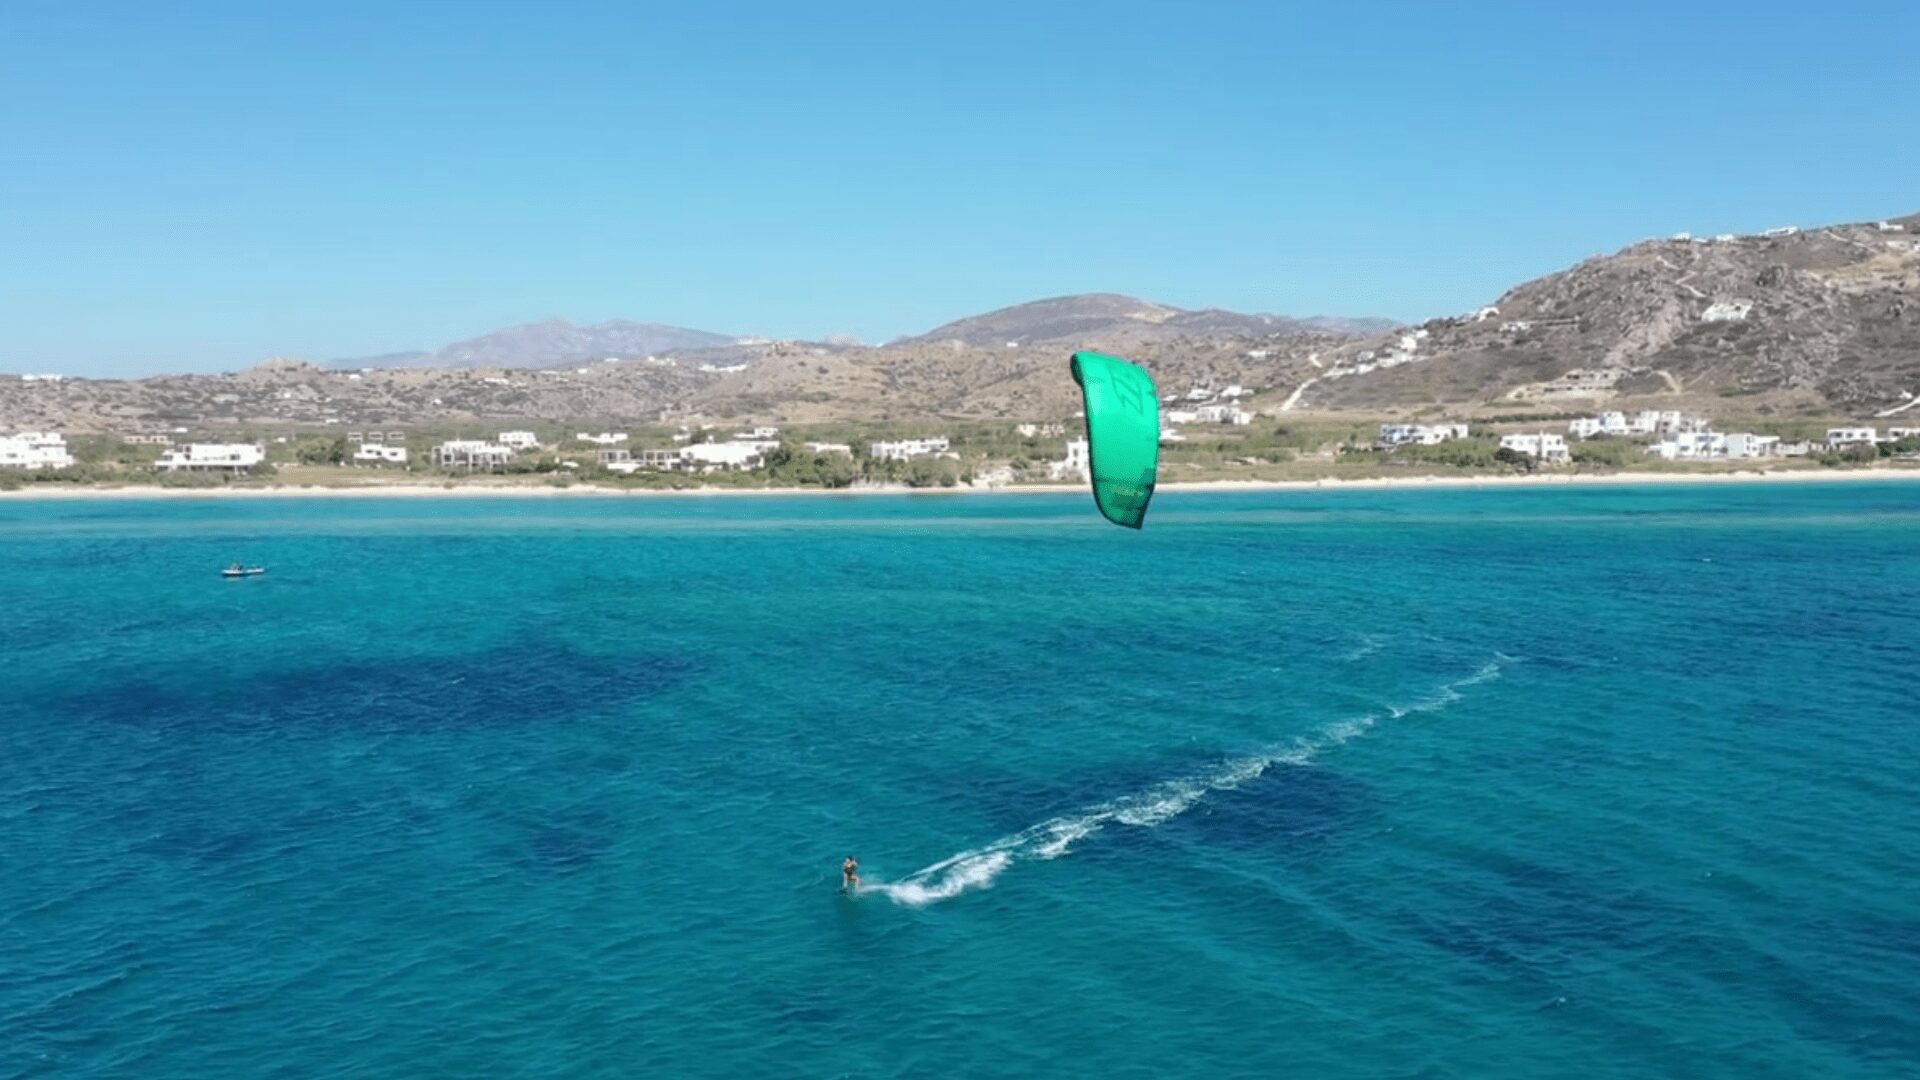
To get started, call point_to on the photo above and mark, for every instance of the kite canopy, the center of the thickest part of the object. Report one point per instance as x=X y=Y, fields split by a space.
x=1123 y=434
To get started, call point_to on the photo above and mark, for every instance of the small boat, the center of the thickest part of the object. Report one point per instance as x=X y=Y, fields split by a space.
x=236 y=570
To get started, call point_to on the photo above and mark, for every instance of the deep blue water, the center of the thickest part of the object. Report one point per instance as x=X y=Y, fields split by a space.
x=1573 y=783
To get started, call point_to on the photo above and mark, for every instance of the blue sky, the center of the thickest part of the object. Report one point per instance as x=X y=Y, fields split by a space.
x=198 y=186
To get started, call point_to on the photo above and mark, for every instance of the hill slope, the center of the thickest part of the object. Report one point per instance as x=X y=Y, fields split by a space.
x=1827 y=316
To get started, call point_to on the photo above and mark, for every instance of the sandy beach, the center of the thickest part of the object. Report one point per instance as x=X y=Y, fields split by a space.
x=440 y=490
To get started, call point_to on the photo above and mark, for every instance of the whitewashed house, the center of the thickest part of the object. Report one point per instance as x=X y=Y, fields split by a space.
x=1075 y=466
x=1551 y=449
x=471 y=454
x=906 y=449
x=758 y=433
x=212 y=457
x=1845 y=438
x=1745 y=444
x=830 y=448
x=1690 y=445
x=519 y=440
x=34 y=450
x=380 y=454
x=605 y=438
x=1392 y=435
x=1040 y=431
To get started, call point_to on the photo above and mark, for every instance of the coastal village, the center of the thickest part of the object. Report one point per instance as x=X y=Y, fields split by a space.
x=1207 y=433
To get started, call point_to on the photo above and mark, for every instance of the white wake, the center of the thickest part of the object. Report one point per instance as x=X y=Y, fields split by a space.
x=978 y=867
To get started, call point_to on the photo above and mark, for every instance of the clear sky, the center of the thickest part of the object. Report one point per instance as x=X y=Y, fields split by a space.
x=196 y=186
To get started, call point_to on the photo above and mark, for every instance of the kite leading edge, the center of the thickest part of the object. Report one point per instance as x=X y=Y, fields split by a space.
x=1123 y=434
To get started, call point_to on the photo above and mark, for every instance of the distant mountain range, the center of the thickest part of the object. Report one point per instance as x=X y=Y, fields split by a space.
x=1815 y=322
x=544 y=344
x=1106 y=318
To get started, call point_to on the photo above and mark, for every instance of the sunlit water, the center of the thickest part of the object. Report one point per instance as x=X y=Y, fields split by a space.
x=1581 y=783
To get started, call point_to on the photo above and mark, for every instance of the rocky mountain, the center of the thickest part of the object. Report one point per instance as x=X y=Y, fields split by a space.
x=1820 y=319
x=549 y=343
x=1113 y=320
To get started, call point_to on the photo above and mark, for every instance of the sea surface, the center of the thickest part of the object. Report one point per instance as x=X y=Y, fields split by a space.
x=1603 y=782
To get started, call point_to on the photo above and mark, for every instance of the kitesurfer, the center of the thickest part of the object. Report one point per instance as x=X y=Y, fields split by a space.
x=850 y=875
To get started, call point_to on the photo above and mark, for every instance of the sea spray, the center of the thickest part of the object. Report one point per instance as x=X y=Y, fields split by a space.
x=978 y=868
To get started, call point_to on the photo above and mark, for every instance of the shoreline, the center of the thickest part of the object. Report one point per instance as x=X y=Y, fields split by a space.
x=57 y=492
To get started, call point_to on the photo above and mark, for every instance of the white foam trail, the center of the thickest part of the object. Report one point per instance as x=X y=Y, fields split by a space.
x=1050 y=839
x=1369 y=644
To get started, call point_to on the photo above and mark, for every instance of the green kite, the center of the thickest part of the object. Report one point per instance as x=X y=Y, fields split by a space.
x=1123 y=434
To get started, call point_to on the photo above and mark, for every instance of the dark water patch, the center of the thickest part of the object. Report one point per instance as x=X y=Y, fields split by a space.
x=1519 y=915
x=525 y=683
x=564 y=842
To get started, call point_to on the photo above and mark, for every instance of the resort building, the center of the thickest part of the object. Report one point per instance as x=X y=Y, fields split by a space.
x=726 y=456
x=1617 y=425
x=34 y=450
x=1842 y=438
x=519 y=440
x=906 y=449
x=471 y=454
x=1551 y=449
x=1392 y=435
x=374 y=453
x=212 y=457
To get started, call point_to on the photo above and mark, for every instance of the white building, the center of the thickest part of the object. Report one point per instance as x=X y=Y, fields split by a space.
x=1895 y=434
x=605 y=438
x=1671 y=422
x=212 y=457
x=905 y=449
x=380 y=454
x=707 y=457
x=471 y=454
x=1616 y=424
x=1551 y=449
x=1040 y=431
x=758 y=433
x=1841 y=438
x=1076 y=465
x=1228 y=413
x=1745 y=444
x=34 y=450
x=1392 y=435
x=151 y=440
x=1889 y=226
x=1784 y=230
x=1690 y=445
x=519 y=440
x=830 y=448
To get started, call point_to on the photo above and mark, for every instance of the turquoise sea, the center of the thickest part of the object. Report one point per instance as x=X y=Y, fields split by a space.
x=1605 y=782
